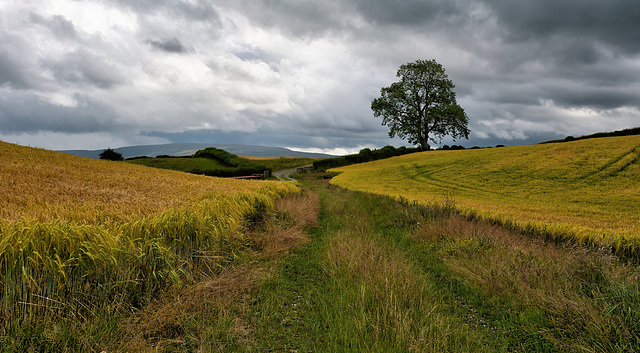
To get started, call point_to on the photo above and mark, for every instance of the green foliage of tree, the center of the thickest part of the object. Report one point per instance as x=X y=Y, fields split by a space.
x=422 y=106
x=111 y=155
x=228 y=159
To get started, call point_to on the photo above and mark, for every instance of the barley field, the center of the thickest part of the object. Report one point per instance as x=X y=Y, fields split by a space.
x=587 y=191
x=79 y=235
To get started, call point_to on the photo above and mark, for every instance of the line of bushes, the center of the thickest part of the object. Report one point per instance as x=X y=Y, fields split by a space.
x=365 y=155
x=625 y=132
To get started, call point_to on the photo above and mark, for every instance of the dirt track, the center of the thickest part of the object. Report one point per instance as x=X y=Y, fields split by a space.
x=285 y=173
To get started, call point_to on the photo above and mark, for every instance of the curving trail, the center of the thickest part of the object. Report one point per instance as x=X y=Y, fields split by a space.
x=284 y=174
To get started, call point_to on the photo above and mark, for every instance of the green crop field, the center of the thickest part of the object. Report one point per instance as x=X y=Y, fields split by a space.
x=185 y=164
x=584 y=190
x=189 y=164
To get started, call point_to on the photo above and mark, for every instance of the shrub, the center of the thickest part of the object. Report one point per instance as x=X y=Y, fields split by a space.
x=235 y=166
x=111 y=155
x=229 y=159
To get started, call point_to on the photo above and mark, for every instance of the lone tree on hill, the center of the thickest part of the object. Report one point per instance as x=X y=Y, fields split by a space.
x=111 y=155
x=422 y=105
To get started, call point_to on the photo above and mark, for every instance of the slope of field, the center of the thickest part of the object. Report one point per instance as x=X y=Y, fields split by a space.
x=587 y=190
x=77 y=234
x=45 y=186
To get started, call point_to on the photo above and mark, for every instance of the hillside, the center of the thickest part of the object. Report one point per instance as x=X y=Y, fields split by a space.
x=46 y=185
x=83 y=239
x=187 y=149
x=585 y=189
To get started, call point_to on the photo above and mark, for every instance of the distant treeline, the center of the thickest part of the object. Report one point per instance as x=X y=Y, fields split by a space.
x=625 y=132
x=365 y=155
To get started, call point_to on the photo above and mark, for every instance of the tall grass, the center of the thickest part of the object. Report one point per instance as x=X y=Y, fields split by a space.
x=210 y=315
x=568 y=297
x=62 y=267
x=422 y=278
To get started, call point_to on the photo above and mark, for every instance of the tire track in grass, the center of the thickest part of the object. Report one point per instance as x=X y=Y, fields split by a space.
x=350 y=290
x=384 y=276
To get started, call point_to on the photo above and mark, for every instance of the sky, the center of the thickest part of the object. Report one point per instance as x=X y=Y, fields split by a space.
x=302 y=73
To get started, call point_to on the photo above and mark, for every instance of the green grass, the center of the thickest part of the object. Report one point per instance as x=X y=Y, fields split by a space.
x=185 y=164
x=281 y=163
x=585 y=190
x=383 y=276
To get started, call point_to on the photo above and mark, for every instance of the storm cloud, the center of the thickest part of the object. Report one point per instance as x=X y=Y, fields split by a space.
x=302 y=73
x=170 y=45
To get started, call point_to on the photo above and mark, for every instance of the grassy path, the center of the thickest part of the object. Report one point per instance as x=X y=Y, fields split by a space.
x=380 y=276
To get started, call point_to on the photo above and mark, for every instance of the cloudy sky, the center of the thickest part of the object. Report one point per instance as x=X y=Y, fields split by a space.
x=302 y=73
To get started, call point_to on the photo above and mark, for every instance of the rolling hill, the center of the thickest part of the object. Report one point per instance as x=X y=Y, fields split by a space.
x=585 y=190
x=186 y=149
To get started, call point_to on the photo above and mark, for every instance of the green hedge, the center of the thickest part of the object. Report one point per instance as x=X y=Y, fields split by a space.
x=365 y=155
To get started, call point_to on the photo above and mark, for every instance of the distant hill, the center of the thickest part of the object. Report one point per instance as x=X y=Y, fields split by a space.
x=187 y=149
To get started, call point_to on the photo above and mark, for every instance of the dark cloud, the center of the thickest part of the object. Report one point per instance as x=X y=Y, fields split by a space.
x=12 y=71
x=614 y=22
x=592 y=97
x=295 y=17
x=81 y=68
x=17 y=67
x=26 y=113
x=169 y=45
x=198 y=10
x=303 y=72
x=405 y=13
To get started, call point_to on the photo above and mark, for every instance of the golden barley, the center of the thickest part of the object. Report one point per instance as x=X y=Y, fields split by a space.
x=77 y=233
x=584 y=190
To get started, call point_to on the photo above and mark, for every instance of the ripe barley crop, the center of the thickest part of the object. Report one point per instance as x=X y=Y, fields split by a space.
x=584 y=190
x=79 y=234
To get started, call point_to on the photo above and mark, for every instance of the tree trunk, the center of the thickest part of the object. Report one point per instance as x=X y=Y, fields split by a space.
x=424 y=144
x=424 y=141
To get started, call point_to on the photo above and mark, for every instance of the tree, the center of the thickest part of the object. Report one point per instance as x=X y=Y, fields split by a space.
x=111 y=155
x=422 y=105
